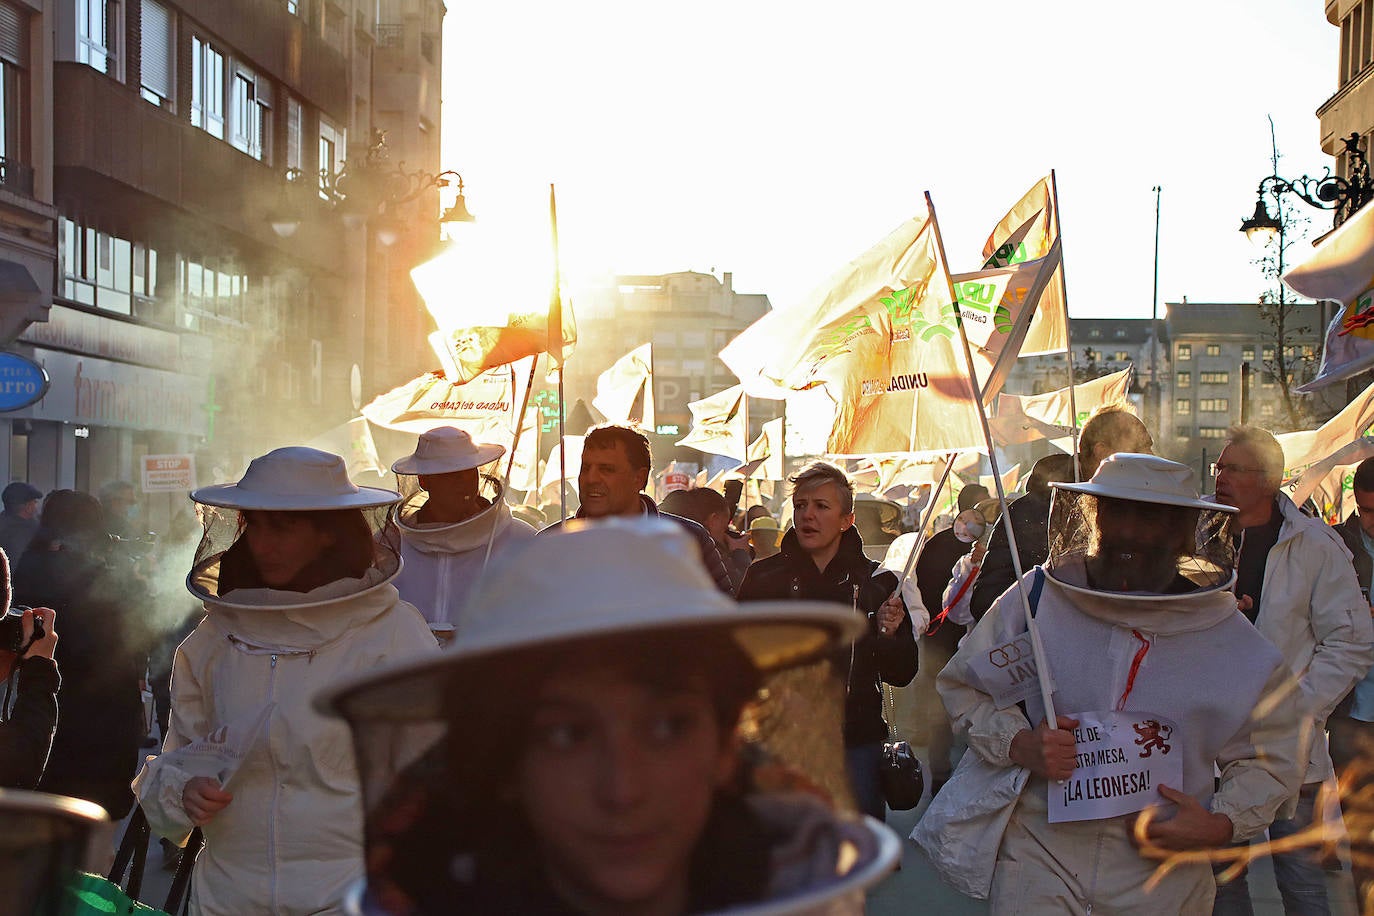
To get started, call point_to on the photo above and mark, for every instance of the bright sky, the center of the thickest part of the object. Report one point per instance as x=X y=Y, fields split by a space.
x=777 y=140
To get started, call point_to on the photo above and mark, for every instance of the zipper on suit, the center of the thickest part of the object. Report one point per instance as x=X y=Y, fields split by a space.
x=441 y=590
x=276 y=788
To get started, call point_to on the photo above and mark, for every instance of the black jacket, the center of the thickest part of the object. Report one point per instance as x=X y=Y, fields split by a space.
x=1349 y=530
x=102 y=654
x=1030 y=518
x=710 y=556
x=848 y=579
x=26 y=733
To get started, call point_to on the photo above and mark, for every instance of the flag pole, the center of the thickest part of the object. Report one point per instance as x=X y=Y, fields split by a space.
x=1068 y=332
x=556 y=309
x=1037 y=647
x=928 y=515
x=514 y=448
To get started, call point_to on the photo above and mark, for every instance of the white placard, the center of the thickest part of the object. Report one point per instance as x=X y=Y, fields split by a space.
x=168 y=473
x=220 y=753
x=1007 y=671
x=1123 y=758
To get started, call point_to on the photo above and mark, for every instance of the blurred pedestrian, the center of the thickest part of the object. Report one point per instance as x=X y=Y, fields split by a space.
x=119 y=500
x=298 y=590
x=822 y=559
x=765 y=537
x=1147 y=653
x=585 y=753
x=616 y=462
x=1295 y=582
x=708 y=509
x=103 y=655
x=452 y=520
x=19 y=520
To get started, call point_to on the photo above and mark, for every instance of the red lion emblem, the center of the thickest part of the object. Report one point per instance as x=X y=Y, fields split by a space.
x=1152 y=735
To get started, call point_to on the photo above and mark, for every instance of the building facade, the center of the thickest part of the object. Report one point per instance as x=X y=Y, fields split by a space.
x=211 y=292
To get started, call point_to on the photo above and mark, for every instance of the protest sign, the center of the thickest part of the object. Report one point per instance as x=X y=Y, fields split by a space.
x=1122 y=759
x=220 y=753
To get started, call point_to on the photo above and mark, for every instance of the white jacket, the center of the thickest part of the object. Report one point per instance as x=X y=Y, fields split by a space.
x=1206 y=668
x=1312 y=610
x=441 y=563
x=290 y=842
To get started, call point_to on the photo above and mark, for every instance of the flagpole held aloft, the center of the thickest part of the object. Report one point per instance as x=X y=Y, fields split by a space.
x=1068 y=337
x=514 y=448
x=1037 y=647
x=928 y=515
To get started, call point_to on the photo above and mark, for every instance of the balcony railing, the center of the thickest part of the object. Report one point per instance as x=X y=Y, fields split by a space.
x=390 y=35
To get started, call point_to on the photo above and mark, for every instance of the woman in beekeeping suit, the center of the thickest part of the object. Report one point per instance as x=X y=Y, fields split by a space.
x=596 y=741
x=297 y=591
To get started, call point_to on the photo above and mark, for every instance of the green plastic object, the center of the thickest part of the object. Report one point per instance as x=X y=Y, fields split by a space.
x=92 y=895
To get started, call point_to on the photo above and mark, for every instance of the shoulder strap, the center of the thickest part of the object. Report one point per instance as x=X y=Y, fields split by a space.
x=1036 y=588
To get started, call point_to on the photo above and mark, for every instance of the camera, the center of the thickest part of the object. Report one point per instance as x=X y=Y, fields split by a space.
x=12 y=630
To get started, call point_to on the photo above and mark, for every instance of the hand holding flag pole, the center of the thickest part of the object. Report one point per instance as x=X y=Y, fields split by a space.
x=1037 y=647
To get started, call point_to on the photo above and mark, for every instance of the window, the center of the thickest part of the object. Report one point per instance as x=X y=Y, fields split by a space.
x=1185 y=351
x=1214 y=378
x=333 y=144
x=1268 y=352
x=98 y=24
x=1266 y=380
x=1211 y=432
x=1213 y=405
x=1183 y=406
x=1121 y=356
x=1309 y=352
x=294 y=119
x=1213 y=350
x=1266 y=410
x=106 y=271
x=156 y=66
x=14 y=121
x=1183 y=431
x=1247 y=353
x=252 y=114
x=207 y=88
x=1183 y=380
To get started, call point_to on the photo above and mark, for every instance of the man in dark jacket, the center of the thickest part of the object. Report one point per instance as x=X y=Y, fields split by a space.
x=822 y=559
x=615 y=469
x=1109 y=430
x=19 y=521
x=1351 y=727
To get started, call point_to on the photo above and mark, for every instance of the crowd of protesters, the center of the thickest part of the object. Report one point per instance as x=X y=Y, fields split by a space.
x=422 y=707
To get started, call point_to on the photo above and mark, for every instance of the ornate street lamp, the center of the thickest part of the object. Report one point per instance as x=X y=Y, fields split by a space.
x=1329 y=192
x=364 y=191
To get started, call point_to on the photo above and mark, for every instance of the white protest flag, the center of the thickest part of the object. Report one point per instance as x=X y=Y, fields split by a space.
x=353 y=442
x=1030 y=231
x=1328 y=482
x=1341 y=269
x=484 y=408
x=625 y=392
x=767 y=450
x=718 y=424
x=998 y=306
x=524 y=466
x=1307 y=447
x=1026 y=418
x=571 y=449
x=895 y=367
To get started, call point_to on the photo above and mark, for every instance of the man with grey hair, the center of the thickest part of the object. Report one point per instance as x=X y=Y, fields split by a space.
x=1295 y=582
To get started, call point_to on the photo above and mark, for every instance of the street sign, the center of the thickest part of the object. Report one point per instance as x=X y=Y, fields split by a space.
x=22 y=382
x=168 y=473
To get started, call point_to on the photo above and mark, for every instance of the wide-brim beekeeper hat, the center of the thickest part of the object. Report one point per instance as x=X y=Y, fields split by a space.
x=294 y=478
x=446 y=449
x=594 y=579
x=1145 y=479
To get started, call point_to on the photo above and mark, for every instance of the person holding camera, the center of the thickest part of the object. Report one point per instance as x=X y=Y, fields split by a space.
x=28 y=717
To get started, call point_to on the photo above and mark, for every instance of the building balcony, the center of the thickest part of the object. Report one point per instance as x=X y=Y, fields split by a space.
x=115 y=150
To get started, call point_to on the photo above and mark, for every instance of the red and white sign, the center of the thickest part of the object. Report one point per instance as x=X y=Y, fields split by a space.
x=676 y=480
x=168 y=473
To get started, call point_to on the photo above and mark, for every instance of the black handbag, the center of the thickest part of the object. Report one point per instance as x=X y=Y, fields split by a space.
x=899 y=772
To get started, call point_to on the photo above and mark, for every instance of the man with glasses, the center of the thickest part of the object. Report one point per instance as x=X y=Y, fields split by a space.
x=1295 y=582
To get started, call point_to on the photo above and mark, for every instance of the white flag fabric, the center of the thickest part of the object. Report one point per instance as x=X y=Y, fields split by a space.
x=571 y=448
x=1026 y=418
x=1349 y=346
x=766 y=451
x=718 y=424
x=1341 y=269
x=524 y=468
x=1010 y=478
x=1307 y=447
x=625 y=392
x=353 y=442
x=1029 y=231
x=1327 y=482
